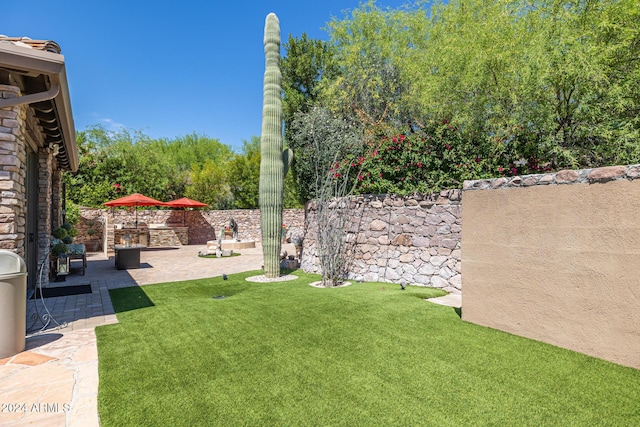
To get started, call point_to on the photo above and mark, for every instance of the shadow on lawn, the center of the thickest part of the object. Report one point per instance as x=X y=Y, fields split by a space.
x=127 y=299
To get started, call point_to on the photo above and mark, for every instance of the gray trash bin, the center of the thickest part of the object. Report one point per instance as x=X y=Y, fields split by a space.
x=13 y=303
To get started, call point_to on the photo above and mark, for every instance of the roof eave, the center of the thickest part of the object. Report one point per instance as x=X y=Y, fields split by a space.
x=52 y=65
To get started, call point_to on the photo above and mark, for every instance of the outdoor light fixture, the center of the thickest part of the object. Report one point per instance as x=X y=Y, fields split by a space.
x=62 y=266
x=55 y=148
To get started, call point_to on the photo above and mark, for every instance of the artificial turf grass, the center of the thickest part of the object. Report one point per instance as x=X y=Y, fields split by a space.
x=368 y=354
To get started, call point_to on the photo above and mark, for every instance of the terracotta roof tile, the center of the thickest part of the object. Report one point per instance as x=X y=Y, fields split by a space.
x=46 y=45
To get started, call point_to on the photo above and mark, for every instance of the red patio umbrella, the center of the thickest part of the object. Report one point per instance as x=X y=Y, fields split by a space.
x=135 y=199
x=185 y=203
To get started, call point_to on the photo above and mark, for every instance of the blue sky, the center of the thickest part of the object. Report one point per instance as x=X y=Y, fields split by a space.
x=168 y=68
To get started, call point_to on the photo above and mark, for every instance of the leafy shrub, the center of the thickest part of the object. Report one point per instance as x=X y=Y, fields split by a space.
x=72 y=212
x=59 y=233
x=71 y=230
x=67 y=239
x=440 y=157
x=59 y=249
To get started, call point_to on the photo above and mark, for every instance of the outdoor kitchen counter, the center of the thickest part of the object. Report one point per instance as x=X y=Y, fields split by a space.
x=154 y=237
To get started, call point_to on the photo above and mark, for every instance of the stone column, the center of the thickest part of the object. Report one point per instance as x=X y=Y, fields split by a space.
x=56 y=198
x=45 y=172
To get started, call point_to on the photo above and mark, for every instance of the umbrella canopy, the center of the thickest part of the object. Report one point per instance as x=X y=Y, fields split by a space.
x=135 y=199
x=186 y=203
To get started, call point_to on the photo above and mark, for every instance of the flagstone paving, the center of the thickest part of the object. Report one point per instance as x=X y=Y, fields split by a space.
x=54 y=382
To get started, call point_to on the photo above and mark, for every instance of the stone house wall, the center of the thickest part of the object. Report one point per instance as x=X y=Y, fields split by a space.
x=12 y=174
x=19 y=132
x=410 y=240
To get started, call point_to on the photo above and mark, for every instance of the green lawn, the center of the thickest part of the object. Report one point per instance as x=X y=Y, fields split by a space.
x=287 y=354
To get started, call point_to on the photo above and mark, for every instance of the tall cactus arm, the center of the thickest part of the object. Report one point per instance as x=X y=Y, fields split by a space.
x=272 y=168
x=287 y=158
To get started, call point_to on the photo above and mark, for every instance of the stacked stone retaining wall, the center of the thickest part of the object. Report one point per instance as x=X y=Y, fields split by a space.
x=202 y=225
x=399 y=239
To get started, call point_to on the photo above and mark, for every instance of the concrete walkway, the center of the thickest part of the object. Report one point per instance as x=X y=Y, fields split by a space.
x=54 y=382
x=451 y=300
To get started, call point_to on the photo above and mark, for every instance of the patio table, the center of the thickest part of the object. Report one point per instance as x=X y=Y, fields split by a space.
x=127 y=257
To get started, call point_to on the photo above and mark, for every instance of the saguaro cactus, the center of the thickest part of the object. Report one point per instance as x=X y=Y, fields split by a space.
x=274 y=163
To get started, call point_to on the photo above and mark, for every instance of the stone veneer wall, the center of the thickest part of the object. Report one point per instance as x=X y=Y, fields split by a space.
x=554 y=258
x=92 y=219
x=56 y=197
x=19 y=130
x=45 y=210
x=412 y=240
x=203 y=225
x=12 y=174
x=207 y=225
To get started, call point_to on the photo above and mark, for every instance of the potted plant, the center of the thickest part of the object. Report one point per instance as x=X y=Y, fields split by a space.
x=59 y=249
x=92 y=245
x=59 y=233
x=71 y=230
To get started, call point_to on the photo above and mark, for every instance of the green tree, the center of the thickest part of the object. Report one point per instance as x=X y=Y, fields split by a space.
x=307 y=61
x=371 y=46
x=209 y=185
x=563 y=71
x=114 y=164
x=185 y=152
x=244 y=175
x=553 y=82
x=323 y=139
x=327 y=139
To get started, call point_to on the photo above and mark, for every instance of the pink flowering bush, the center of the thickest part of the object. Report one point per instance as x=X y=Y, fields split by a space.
x=440 y=157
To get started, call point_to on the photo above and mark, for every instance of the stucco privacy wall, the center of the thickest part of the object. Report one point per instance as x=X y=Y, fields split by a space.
x=399 y=239
x=555 y=258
